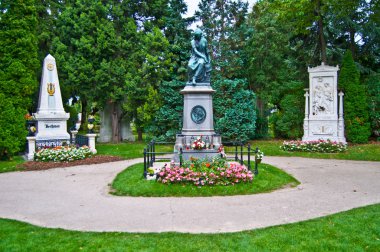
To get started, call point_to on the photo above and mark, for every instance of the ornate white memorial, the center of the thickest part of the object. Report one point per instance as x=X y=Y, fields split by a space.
x=322 y=120
x=51 y=117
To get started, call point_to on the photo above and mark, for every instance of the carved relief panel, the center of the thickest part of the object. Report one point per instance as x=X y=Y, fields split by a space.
x=322 y=96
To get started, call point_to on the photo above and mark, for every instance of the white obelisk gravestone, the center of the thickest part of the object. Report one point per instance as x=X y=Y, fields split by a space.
x=322 y=120
x=51 y=117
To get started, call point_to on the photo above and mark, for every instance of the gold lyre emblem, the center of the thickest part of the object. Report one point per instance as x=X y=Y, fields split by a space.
x=51 y=88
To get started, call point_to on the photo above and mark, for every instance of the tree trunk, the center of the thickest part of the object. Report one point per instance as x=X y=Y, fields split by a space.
x=322 y=41
x=261 y=121
x=84 y=115
x=139 y=134
x=352 y=42
x=115 y=123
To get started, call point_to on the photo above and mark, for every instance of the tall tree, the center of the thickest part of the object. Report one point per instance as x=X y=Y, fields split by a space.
x=373 y=85
x=273 y=73
x=356 y=116
x=18 y=51
x=111 y=53
x=18 y=66
x=167 y=120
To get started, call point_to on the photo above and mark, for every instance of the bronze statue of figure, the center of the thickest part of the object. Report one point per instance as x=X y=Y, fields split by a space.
x=199 y=66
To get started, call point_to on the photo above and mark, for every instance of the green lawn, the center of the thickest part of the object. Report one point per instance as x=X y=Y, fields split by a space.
x=130 y=182
x=11 y=165
x=129 y=150
x=368 y=152
x=354 y=230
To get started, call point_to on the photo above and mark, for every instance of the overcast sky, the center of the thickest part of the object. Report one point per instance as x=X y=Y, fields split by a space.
x=192 y=6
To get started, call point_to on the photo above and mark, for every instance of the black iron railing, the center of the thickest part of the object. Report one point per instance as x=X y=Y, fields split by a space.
x=150 y=154
x=240 y=150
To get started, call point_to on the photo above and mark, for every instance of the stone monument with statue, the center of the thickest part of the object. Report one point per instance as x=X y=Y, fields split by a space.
x=323 y=113
x=198 y=120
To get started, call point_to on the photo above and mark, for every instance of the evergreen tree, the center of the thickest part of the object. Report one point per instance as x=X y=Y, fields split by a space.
x=235 y=112
x=288 y=120
x=373 y=85
x=168 y=119
x=355 y=102
x=18 y=67
x=273 y=72
x=18 y=51
x=112 y=53
x=13 y=131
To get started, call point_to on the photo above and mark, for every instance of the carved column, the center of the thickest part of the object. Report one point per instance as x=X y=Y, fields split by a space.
x=306 y=120
x=31 y=147
x=91 y=142
x=340 y=118
x=73 y=136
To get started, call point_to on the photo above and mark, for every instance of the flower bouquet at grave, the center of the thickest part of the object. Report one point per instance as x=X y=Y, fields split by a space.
x=259 y=156
x=29 y=117
x=198 y=144
x=221 y=151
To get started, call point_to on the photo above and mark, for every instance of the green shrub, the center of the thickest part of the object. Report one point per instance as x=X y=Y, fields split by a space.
x=235 y=109
x=288 y=120
x=12 y=128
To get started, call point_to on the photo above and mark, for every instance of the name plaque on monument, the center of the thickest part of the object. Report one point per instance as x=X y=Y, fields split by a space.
x=52 y=126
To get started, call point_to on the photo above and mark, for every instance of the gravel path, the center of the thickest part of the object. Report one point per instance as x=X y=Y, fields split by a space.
x=77 y=198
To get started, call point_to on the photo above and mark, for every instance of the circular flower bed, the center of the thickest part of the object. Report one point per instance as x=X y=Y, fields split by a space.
x=62 y=154
x=203 y=172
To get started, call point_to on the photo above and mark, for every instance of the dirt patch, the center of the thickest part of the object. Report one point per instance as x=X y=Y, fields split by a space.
x=36 y=166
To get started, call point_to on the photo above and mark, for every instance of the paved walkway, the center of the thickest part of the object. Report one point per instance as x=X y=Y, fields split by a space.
x=77 y=198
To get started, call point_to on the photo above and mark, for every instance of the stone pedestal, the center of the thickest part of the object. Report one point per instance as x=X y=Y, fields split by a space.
x=31 y=147
x=51 y=117
x=73 y=136
x=198 y=121
x=321 y=106
x=91 y=142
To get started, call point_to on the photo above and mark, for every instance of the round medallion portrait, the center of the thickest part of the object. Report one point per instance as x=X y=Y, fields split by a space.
x=198 y=114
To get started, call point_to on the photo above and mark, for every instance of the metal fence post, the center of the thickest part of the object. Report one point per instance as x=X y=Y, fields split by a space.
x=148 y=154
x=154 y=150
x=145 y=168
x=151 y=154
x=249 y=156
x=241 y=153
x=236 y=152
x=180 y=157
x=256 y=172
